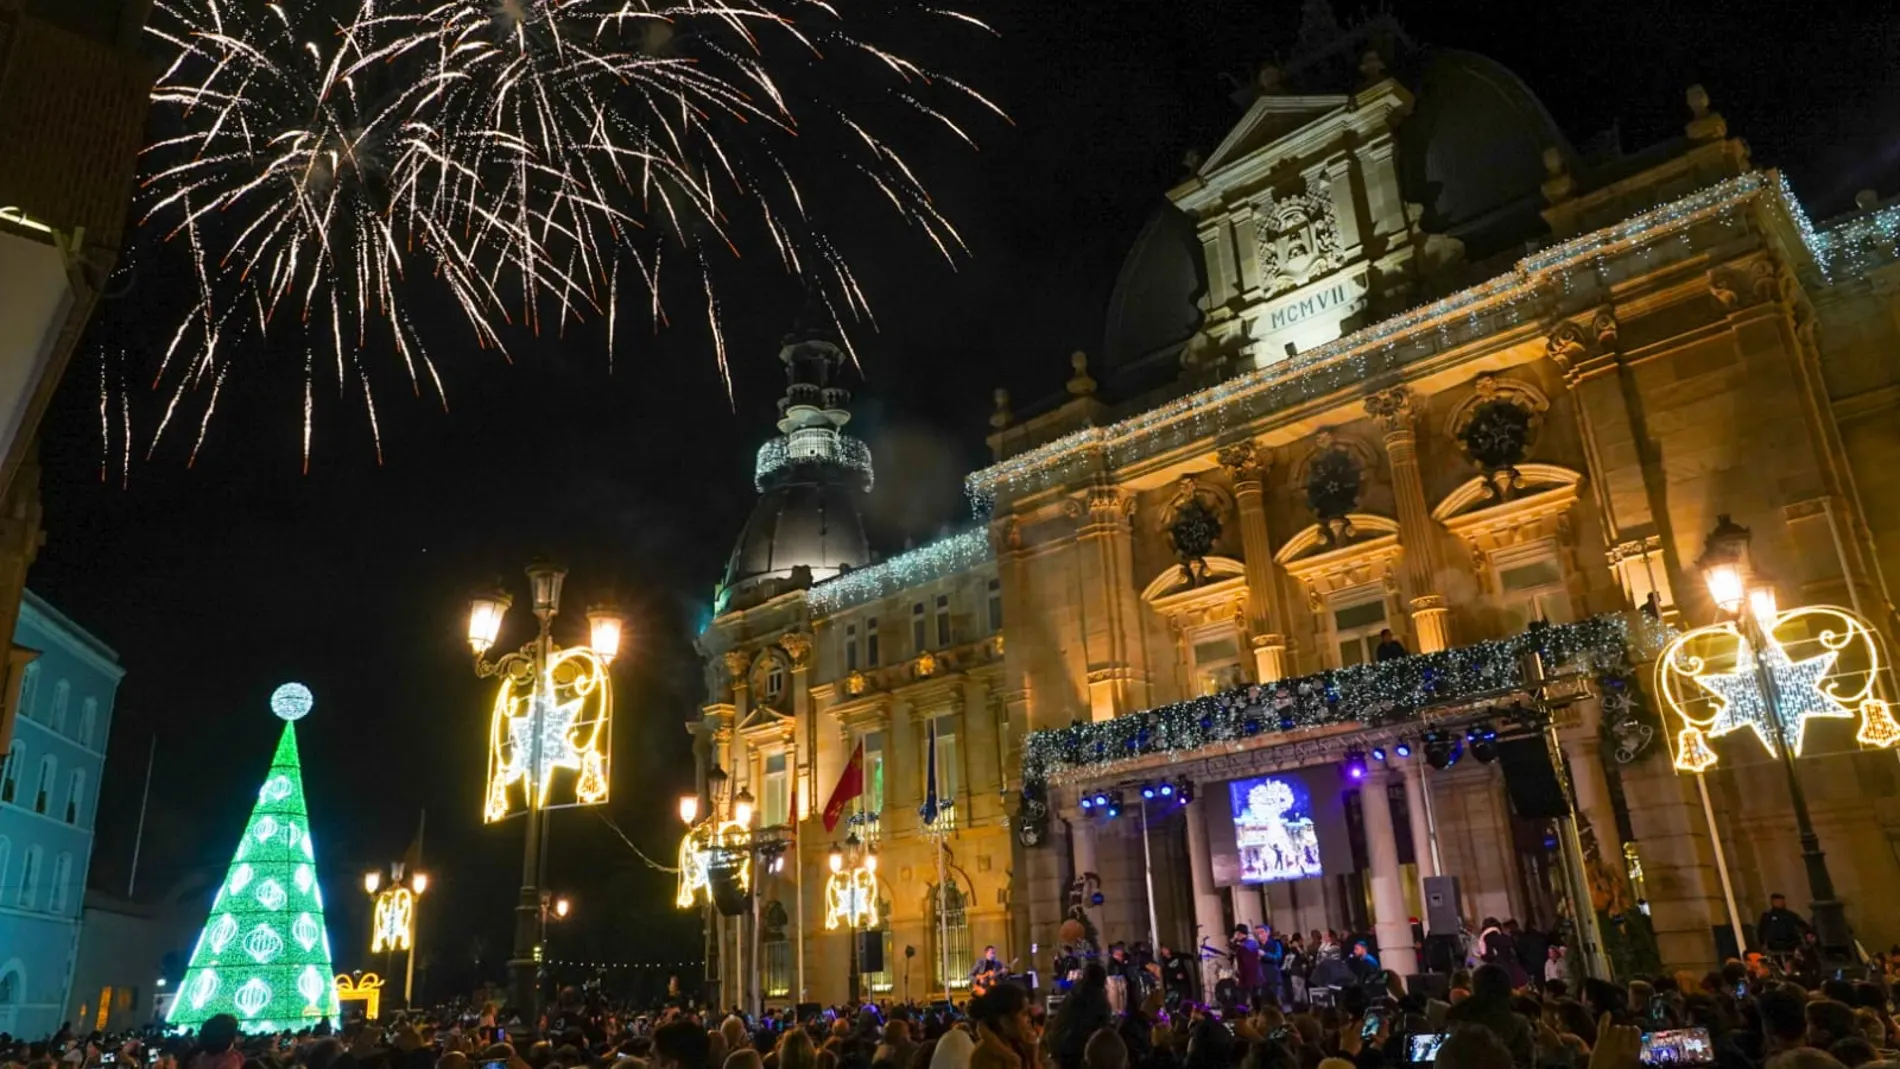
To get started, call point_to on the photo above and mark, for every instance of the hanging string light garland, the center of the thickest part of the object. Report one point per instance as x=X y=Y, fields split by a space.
x=1372 y=695
x=1524 y=294
x=946 y=556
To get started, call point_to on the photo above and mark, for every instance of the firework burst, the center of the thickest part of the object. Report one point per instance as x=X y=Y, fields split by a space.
x=540 y=160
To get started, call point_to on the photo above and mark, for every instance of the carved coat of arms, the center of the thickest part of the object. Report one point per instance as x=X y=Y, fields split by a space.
x=1296 y=237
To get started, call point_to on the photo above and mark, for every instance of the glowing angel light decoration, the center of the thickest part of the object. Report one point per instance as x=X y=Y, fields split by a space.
x=1825 y=663
x=575 y=741
x=696 y=859
x=851 y=899
x=394 y=921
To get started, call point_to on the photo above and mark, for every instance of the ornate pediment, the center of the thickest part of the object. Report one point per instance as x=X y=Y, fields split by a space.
x=1325 y=561
x=1542 y=490
x=1270 y=118
x=1171 y=589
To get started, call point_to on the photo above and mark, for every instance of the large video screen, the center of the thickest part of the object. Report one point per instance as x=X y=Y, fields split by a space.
x=1273 y=829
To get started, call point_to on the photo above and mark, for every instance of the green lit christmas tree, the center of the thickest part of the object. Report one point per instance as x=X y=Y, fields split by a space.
x=264 y=954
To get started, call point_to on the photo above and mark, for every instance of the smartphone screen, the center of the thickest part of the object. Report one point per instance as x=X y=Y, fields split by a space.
x=1678 y=1046
x=1371 y=1027
x=1422 y=1047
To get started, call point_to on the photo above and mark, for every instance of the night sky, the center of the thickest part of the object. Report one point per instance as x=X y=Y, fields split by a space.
x=217 y=582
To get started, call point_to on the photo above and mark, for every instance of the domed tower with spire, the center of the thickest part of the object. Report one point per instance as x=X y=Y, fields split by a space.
x=805 y=527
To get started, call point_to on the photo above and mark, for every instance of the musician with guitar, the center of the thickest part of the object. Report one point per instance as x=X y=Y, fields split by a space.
x=988 y=973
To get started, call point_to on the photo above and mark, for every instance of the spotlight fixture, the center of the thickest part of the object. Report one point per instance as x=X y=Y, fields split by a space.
x=1087 y=802
x=1187 y=791
x=1442 y=750
x=1167 y=790
x=1378 y=753
x=1403 y=749
x=1355 y=764
x=1101 y=799
x=1148 y=791
x=1114 y=803
x=1482 y=741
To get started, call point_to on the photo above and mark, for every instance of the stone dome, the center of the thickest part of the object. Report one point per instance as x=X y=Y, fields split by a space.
x=805 y=527
x=1155 y=306
x=798 y=523
x=1471 y=153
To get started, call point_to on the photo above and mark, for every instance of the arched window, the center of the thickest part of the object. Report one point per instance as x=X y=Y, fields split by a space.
x=62 y=876
x=952 y=927
x=75 y=795
x=10 y=775
x=30 y=690
x=62 y=693
x=88 y=721
x=12 y=982
x=43 y=796
x=28 y=896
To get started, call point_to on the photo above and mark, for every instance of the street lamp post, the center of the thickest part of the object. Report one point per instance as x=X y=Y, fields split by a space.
x=1747 y=599
x=532 y=661
x=851 y=857
x=395 y=919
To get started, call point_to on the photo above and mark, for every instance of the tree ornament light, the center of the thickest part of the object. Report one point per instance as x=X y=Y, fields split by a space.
x=265 y=934
x=1823 y=662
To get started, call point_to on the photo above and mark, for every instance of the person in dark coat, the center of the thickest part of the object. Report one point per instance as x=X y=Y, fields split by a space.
x=1489 y=1007
x=1246 y=953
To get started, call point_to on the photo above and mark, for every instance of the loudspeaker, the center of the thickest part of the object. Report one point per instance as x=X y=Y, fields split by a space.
x=1531 y=781
x=870 y=952
x=1441 y=905
x=722 y=879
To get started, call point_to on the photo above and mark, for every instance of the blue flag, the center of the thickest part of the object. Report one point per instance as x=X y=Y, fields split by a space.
x=930 y=808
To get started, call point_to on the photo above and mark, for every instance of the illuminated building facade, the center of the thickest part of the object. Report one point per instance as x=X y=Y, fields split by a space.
x=1396 y=356
x=49 y=794
x=73 y=96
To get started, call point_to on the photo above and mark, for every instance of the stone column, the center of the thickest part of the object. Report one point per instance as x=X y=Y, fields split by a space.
x=1584 y=750
x=1389 y=919
x=1394 y=412
x=1424 y=831
x=1247 y=907
x=1209 y=917
x=1248 y=466
x=1082 y=850
x=1117 y=656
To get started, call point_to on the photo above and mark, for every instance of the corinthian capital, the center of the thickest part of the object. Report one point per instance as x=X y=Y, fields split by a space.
x=797 y=646
x=1244 y=461
x=1393 y=409
x=737 y=661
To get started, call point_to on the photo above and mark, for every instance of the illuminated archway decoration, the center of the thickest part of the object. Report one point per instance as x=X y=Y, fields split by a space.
x=1826 y=663
x=851 y=899
x=695 y=861
x=576 y=737
x=393 y=926
x=368 y=991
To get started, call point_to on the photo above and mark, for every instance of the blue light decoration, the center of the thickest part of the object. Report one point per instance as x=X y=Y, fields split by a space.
x=1273 y=828
x=1380 y=694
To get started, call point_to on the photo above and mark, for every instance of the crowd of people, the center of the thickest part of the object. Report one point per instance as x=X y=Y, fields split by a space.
x=1745 y=1016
